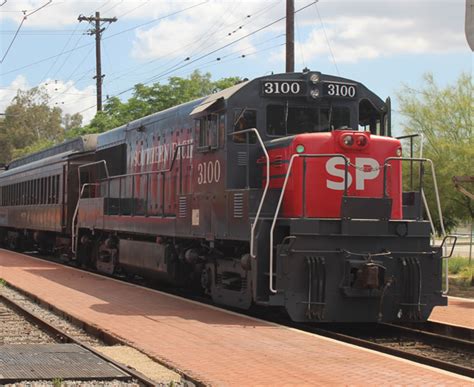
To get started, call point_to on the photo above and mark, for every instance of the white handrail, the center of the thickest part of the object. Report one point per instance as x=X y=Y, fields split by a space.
x=73 y=228
x=267 y=184
x=272 y=289
x=76 y=210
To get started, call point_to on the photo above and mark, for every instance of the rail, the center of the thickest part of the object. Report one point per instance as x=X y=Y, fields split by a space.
x=74 y=225
x=267 y=185
x=290 y=166
x=134 y=175
x=74 y=229
x=438 y=203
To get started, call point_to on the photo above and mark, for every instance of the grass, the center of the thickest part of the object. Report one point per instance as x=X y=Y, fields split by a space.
x=2 y=282
x=460 y=272
x=57 y=382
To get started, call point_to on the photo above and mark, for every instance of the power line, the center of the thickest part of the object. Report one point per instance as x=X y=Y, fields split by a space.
x=155 y=20
x=25 y=16
x=327 y=39
x=57 y=58
x=41 y=32
x=105 y=37
x=224 y=46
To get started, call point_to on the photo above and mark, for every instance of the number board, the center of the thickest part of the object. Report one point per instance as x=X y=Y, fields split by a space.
x=338 y=89
x=283 y=88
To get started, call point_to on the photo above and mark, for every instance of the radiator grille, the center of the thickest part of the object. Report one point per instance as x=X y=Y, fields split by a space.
x=238 y=205
x=183 y=207
x=242 y=158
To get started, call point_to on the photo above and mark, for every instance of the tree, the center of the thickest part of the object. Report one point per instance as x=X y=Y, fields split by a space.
x=151 y=99
x=30 y=124
x=72 y=121
x=444 y=116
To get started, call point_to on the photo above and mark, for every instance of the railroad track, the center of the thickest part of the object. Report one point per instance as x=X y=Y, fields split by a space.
x=436 y=350
x=8 y=305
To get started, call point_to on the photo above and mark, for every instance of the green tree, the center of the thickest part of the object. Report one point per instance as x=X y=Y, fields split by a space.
x=444 y=115
x=72 y=121
x=151 y=99
x=30 y=124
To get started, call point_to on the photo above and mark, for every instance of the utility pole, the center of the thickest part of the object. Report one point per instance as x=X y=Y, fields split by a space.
x=290 y=36
x=97 y=31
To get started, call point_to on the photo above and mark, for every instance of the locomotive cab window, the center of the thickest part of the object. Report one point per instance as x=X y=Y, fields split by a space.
x=244 y=119
x=369 y=117
x=207 y=131
x=283 y=120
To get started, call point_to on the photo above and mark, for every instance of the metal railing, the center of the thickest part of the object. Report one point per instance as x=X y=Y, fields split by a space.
x=74 y=228
x=146 y=174
x=425 y=203
x=280 y=200
x=74 y=224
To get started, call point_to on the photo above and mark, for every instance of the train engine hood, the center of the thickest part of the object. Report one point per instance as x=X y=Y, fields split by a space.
x=328 y=167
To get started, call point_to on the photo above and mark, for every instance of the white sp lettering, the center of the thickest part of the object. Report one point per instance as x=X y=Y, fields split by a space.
x=366 y=169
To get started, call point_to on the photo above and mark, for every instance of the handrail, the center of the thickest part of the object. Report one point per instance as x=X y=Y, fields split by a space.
x=435 y=183
x=74 y=227
x=267 y=184
x=346 y=166
x=76 y=210
x=170 y=168
x=89 y=165
x=438 y=202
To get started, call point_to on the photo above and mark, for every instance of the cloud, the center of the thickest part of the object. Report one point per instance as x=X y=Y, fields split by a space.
x=9 y=92
x=356 y=30
x=64 y=13
x=64 y=95
x=359 y=38
x=198 y=31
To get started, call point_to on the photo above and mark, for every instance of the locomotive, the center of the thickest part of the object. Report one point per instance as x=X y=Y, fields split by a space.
x=283 y=191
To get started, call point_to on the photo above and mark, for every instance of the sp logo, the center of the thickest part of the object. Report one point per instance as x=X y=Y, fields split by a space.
x=365 y=169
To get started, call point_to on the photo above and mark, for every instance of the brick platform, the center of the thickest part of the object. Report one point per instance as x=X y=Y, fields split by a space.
x=214 y=346
x=460 y=312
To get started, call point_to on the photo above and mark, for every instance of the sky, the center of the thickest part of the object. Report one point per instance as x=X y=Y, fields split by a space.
x=382 y=43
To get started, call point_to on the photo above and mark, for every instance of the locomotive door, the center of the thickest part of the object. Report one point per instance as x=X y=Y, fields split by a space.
x=242 y=151
x=208 y=205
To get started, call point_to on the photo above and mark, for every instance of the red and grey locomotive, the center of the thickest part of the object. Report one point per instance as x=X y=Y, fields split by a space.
x=282 y=191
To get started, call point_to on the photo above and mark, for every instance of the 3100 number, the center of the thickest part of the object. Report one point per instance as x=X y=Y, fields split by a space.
x=281 y=88
x=341 y=90
x=209 y=172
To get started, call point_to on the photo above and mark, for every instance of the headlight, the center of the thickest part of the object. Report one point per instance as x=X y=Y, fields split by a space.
x=314 y=93
x=348 y=140
x=361 y=141
x=314 y=78
x=299 y=148
x=399 y=152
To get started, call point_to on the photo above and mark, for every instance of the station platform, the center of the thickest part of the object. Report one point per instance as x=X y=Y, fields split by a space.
x=214 y=346
x=459 y=312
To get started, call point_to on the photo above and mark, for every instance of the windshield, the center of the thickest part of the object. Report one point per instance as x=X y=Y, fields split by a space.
x=283 y=120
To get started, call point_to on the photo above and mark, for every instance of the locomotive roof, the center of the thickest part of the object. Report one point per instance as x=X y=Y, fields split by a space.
x=221 y=95
x=117 y=136
x=78 y=144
